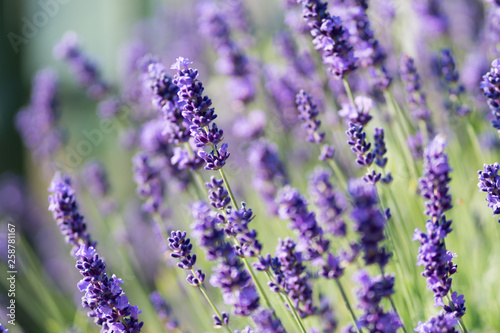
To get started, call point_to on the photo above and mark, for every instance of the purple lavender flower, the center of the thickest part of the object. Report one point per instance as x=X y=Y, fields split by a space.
x=368 y=222
x=359 y=145
x=96 y=180
x=292 y=278
x=432 y=18
x=104 y=297
x=328 y=315
x=308 y=113
x=443 y=322
x=302 y=64
x=370 y=294
x=64 y=209
x=327 y=153
x=416 y=145
x=250 y=126
x=218 y=195
x=232 y=61
x=330 y=38
x=181 y=249
x=164 y=310
x=85 y=70
x=269 y=171
x=219 y=322
x=110 y=107
x=293 y=207
x=207 y=231
x=432 y=254
x=416 y=98
x=491 y=89
x=237 y=226
x=450 y=79
x=434 y=185
x=37 y=123
x=235 y=283
x=366 y=47
x=3 y=329
x=266 y=322
x=380 y=151
x=359 y=113
x=330 y=202
x=149 y=184
x=489 y=182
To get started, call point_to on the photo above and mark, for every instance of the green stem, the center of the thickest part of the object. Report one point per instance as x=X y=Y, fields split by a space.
x=460 y=321
x=348 y=90
x=390 y=298
x=340 y=175
x=231 y=195
x=348 y=305
x=209 y=300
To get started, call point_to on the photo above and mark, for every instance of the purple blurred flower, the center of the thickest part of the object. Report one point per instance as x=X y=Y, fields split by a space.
x=359 y=113
x=434 y=185
x=433 y=20
x=330 y=38
x=85 y=70
x=37 y=123
x=267 y=322
x=330 y=202
x=251 y=126
x=96 y=180
x=308 y=113
x=149 y=184
x=3 y=329
x=64 y=208
x=369 y=222
x=489 y=182
x=108 y=304
x=443 y=322
x=207 y=231
x=269 y=171
x=164 y=310
x=491 y=89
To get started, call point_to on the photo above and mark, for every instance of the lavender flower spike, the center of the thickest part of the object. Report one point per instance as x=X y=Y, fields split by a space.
x=359 y=145
x=308 y=113
x=181 y=249
x=64 y=208
x=108 y=304
x=489 y=182
x=86 y=72
x=330 y=38
x=443 y=322
x=164 y=310
x=434 y=184
x=491 y=89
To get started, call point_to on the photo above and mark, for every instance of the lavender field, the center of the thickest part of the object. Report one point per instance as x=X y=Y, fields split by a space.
x=250 y=166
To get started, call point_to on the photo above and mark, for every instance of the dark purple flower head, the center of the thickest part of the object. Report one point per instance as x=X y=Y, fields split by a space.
x=308 y=113
x=164 y=310
x=457 y=306
x=37 y=123
x=237 y=226
x=327 y=152
x=358 y=113
x=437 y=261
x=3 y=329
x=219 y=322
x=108 y=304
x=330 y=38
x=85 y=70
x=218 y=195
x=443 y=322
x=489 y=182
x=491 y=89
x=434 y=184
x=369 y=222
x=370 y=294
x=216 y=159
x=359 y=145
x=206 y=229
x=330 y=268
x=181 y=247
x=64 y=208
x=330 y=202
x=292 y=277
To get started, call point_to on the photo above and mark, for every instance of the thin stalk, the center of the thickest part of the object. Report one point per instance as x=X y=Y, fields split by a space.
x=231 y=195
x=348 y=90
x=348 y=305
x=209 y=300
x=285 y=299
x=340 y=176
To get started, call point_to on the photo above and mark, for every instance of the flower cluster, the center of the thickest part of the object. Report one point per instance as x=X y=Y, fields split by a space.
x=104 y=297
x=149 y=183
x=359 y=113
x=330 y=202
x=331 y=38
x=84 y=69
x=96 y=180
x=198 y=110
x=368 y=222
x=213 y=24
x=266 y=322
x=308 y=113
x=37 y=123
x=491 y=89
x=237 y=226
x=359 y=145
x=370 y=294
x=181 y=249
x=489 y=182
x=64 y=208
